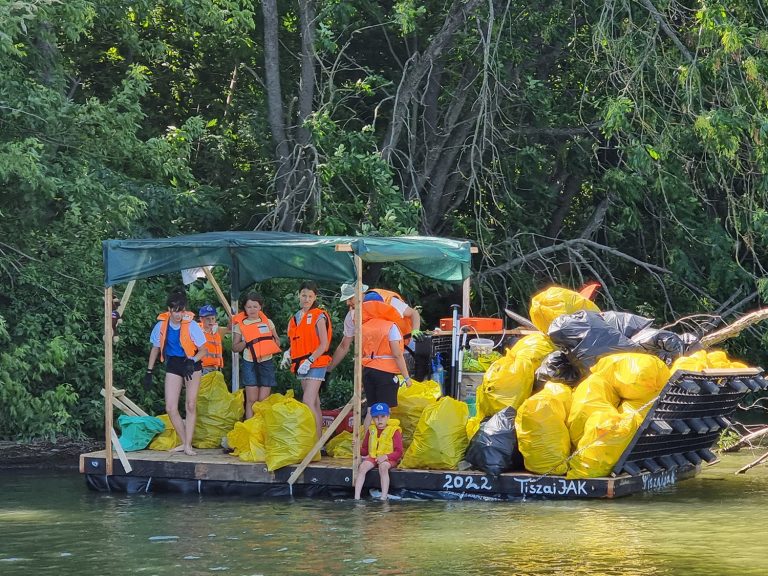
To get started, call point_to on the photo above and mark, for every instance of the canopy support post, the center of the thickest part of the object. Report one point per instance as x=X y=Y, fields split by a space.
x=356 y=395
x=465 y=298
x=108 y=379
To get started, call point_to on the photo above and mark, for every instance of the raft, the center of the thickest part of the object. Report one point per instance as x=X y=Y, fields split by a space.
x=674 y=441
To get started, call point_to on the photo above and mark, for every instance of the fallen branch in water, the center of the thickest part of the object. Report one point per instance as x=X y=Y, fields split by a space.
x=745 y=440
x=753 y=464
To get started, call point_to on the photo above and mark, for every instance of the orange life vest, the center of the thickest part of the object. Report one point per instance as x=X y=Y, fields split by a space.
x=214 y=351
x=187 y=344
x=377 y=322
x=258 y=337
x=239 y=317
x=304 y=338
x=404 y=323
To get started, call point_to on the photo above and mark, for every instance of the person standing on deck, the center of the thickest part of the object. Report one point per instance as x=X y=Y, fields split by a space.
x=213 y=361
x=255 y=336
x=411 y=319
x=382 y=356
x=179 y=342
x=309 y=333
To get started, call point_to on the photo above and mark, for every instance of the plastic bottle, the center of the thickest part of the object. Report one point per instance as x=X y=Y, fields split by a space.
x=438 y=372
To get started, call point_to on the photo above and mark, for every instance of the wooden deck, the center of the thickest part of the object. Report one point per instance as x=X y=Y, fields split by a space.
x=217 y=473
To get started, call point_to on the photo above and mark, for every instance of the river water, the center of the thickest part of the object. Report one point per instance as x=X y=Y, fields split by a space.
x=715 y=524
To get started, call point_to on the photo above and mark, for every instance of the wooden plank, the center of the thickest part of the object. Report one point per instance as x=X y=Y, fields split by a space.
x=120 y=452
x=219 y=293
x=320 y=443
x=357 y=391
x=125 y=298
x=131 y=404
x=108 y=416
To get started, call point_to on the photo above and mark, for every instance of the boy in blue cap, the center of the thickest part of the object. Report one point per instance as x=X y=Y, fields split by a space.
x=214 y=358
x=382 y=448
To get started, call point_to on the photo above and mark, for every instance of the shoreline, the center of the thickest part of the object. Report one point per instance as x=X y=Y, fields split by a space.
x=61 y=454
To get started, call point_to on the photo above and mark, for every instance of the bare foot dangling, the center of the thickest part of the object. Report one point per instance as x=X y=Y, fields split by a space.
x=190 y=452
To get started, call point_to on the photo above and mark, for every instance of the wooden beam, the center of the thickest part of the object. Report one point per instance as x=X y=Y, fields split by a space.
x=217 y=289
x=320 y=443
x=465 y=298
x=343 y=247
x=358 y=373
x=120 y=453
x=108 y=378
x=126 y=297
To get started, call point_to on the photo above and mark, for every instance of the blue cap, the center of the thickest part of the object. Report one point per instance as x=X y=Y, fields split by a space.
x=207 y=310
x=380 y=409
x=372 y=296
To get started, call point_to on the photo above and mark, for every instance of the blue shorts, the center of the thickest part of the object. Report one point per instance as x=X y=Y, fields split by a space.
x=313 y=374
x=258 y=373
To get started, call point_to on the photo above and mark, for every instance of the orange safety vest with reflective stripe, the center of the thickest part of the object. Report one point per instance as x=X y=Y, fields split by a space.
x=214 y=351
x=304 y=339
x=258 y=337
x=403 y=322
x=187 y=344
x=377 y=322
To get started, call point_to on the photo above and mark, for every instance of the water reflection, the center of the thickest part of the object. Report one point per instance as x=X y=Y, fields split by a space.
x=51 y=524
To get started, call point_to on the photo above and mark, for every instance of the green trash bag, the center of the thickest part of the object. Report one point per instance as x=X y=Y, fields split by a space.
x=136 y=432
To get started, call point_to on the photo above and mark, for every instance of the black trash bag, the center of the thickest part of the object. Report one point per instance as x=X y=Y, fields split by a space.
x=626 y=323
x=493 y=449
x=586 y=336
x=556 y=368
x=665 y=344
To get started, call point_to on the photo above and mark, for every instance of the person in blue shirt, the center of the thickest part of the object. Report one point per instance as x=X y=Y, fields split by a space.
x=179 y=342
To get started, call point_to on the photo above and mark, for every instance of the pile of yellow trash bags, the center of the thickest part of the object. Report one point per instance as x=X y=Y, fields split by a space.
x=576 y=429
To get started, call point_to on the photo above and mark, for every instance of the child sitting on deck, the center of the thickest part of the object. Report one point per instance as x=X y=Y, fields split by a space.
x=382 y=447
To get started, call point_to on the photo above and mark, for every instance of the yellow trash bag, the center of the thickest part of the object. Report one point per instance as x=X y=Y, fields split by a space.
x=411 y=401
x=606 y=436
x=594 y=394
x=248 y=439
x=340 y=446
x=556 y=301
x=634 y=376
x=167 y=439
x=509 y=380
x=217 y=411
x=695 y=362
x=473 y=425
x=719 y=359
x=542 y=433
x=440 y=440
x=290 y=432
x=636 y=407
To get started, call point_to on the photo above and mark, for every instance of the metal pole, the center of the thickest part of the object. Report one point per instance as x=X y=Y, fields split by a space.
x=454 y=351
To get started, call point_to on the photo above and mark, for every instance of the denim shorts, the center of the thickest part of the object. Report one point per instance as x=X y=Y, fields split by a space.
x=257 y=373
x=313 y=374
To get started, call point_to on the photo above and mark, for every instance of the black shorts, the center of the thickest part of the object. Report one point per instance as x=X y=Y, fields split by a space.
x=380 y=386
x=175 y=365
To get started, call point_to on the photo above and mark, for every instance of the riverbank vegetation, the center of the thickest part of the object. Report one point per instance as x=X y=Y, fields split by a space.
x=570 y=141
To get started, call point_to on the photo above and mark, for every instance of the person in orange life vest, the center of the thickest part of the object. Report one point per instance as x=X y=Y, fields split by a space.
x=180 y=342
x=382 y=447
x=214 y=357
x=255 y=336
x=309 y=332
x=382 y=354
x=410 y=316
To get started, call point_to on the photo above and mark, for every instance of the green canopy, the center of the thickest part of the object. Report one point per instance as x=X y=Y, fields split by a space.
x=257 y=256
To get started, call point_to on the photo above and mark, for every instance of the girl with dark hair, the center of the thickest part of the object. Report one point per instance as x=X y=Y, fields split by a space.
x=310 y=332
x=179 y=342
x=255 y=336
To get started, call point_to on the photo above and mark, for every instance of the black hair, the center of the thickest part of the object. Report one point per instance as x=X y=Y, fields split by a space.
x=309 y=285
x=177 y=299
x=253 y=295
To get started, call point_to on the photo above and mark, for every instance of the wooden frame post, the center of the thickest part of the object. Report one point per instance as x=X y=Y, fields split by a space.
x=108 y=431
x=358 y=378
x=465 y=298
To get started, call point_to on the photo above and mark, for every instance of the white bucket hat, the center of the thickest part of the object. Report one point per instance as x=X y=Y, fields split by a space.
x=348 y=291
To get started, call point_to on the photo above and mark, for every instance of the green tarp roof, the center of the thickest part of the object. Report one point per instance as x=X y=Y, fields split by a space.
x=257 y=256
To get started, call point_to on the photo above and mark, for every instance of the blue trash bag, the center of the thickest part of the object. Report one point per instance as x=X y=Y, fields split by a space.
x=136 y=432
